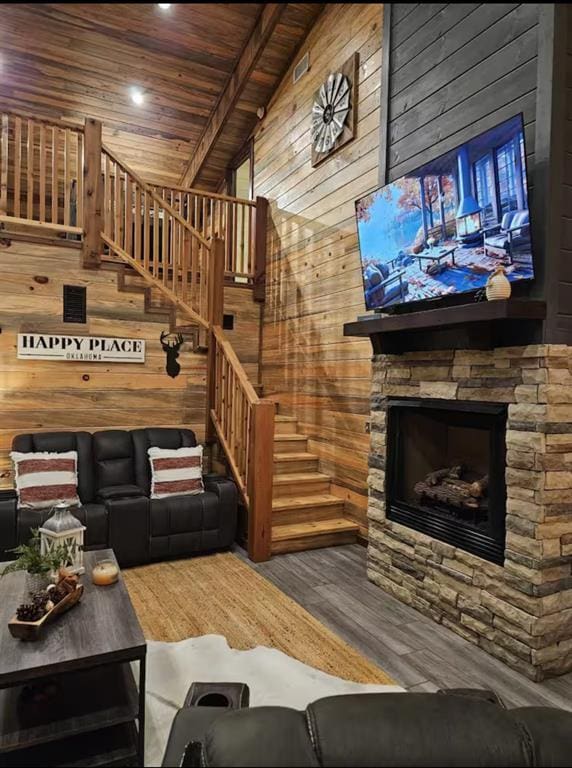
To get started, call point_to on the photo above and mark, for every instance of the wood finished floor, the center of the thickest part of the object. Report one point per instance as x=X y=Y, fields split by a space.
x=419 y=654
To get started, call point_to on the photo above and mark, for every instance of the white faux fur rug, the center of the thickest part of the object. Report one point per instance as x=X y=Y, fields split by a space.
x=273 y=678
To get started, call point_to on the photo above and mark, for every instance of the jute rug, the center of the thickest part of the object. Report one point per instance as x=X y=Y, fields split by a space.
x=221 y=595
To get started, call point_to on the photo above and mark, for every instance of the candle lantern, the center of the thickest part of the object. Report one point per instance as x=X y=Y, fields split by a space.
x=62 y=529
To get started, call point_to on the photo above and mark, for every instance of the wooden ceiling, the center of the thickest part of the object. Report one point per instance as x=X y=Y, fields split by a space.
x=83 y=59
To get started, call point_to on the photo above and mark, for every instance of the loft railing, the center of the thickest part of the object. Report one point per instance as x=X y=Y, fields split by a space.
x=244 y=425
x=41 y=173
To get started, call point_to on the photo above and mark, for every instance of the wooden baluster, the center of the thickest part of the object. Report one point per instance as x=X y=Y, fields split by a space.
x=30 y=171
x=4 y=165
x=196 y=212
x=235 y=259
x=165 y=249
x=228 y=236
x=175 y=256
x=79 y=175
x=137 y=220
x=156 y=232
x=17 y=165
x=204 y=223
x=194 y=261
x=243 y=252
x=128 y=224
x=147 y=230
x=260 y=472
x=117 y=206
x=93 y=194
x=43 y=172
x=186 y=239
x=107 y=196
x=55 y=173
x=67 y=177
x=215 y=313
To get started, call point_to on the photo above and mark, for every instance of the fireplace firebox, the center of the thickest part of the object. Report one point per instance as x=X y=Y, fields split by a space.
x=446 y=471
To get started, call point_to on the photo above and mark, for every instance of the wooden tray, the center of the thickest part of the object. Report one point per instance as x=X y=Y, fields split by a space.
x=31 y=630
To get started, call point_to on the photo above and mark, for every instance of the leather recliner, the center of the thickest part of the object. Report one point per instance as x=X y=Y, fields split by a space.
x=114 y=484
x=373 y=729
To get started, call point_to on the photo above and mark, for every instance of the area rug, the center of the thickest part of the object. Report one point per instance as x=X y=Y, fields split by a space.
x=222 y=595
x=273 y=677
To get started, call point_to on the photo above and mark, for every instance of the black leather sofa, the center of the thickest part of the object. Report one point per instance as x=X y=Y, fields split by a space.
x=378 y=729
x=114 y=482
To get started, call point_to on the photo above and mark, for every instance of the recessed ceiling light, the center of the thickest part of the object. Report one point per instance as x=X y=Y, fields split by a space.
x=137 y=96
x=164 y=6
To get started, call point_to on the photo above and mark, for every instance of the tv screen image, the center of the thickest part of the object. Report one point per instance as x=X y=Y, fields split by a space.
x=443 y=228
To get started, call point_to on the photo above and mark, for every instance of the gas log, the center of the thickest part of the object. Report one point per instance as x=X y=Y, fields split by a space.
x=447 y=487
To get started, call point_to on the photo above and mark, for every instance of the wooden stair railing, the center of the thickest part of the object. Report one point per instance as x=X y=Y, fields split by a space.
x=41 y=173
x=154 y=239
x=240 y=223
x=244 y=425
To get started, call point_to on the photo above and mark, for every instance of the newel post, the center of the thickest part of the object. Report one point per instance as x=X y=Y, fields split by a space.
x=260 y=233
x=260 y=475
x=215 y=286
x=93 y=195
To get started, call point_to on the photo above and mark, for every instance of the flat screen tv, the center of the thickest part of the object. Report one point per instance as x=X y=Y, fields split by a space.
x=443 y=228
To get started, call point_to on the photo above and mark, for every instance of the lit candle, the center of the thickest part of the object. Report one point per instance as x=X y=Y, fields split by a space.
x=104 y=573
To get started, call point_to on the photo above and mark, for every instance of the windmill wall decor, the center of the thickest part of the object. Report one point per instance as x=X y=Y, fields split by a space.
x=334 y=111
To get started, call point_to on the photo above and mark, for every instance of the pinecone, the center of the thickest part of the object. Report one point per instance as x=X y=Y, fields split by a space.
x=58 y=593
x=29 y=612
x=40 y=600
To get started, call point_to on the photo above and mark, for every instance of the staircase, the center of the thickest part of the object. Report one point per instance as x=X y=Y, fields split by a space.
x=177 y=246
x=305 y=514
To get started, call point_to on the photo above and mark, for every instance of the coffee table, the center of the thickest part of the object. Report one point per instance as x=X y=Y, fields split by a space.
x=437 y=257
x=95 y=712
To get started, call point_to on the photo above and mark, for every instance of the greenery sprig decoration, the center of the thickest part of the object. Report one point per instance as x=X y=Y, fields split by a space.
x=31 y=559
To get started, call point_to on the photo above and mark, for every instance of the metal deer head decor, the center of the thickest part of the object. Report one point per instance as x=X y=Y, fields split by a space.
x=172 y=343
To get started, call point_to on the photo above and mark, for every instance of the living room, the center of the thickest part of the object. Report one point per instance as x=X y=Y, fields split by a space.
x=286 y=384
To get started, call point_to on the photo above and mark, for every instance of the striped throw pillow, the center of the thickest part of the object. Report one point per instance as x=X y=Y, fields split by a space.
x=45 y=479
x=177 y=472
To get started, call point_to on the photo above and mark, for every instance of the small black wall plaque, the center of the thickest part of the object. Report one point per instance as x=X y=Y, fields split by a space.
x=75 y=310
x=228 y=322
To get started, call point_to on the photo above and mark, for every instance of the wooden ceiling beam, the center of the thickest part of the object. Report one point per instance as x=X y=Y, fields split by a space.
x=263 y=29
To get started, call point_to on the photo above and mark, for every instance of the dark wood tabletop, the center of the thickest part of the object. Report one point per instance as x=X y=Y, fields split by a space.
x=102 y=628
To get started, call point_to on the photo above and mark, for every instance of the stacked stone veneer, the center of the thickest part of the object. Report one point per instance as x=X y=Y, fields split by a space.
x=521 y=611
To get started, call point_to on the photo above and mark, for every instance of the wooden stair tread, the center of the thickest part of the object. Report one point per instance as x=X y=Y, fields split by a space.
x=310 y=500
x=301 y=456
x=280 y=417
x=300 y=477
x=291 y=436
x=319 y=527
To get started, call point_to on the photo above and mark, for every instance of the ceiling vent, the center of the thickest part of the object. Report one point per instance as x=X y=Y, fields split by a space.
x=75 y=304
x=302 y=66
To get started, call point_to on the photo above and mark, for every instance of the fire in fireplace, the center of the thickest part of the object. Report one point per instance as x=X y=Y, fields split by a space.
x=446 y=467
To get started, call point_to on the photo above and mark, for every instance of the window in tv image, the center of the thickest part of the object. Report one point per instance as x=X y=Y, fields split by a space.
x=445 y=227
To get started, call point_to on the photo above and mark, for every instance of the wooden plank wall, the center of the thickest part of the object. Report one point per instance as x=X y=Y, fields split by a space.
x=313 y=275
x=42 y=395
x=456 y=70
x=563 y=108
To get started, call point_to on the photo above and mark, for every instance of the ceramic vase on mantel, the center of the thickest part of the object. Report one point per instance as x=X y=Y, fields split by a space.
x=498 y=285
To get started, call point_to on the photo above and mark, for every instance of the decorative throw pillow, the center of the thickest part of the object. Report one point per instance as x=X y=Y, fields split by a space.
x=44 y=479
x=176 y=472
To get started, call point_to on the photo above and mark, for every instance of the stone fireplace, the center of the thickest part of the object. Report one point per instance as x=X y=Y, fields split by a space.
x=497 y=570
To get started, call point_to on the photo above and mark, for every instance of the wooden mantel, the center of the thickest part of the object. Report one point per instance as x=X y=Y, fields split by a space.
x=479 y=325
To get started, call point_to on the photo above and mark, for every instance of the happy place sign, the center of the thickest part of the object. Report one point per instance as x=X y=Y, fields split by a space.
x=91 y=349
